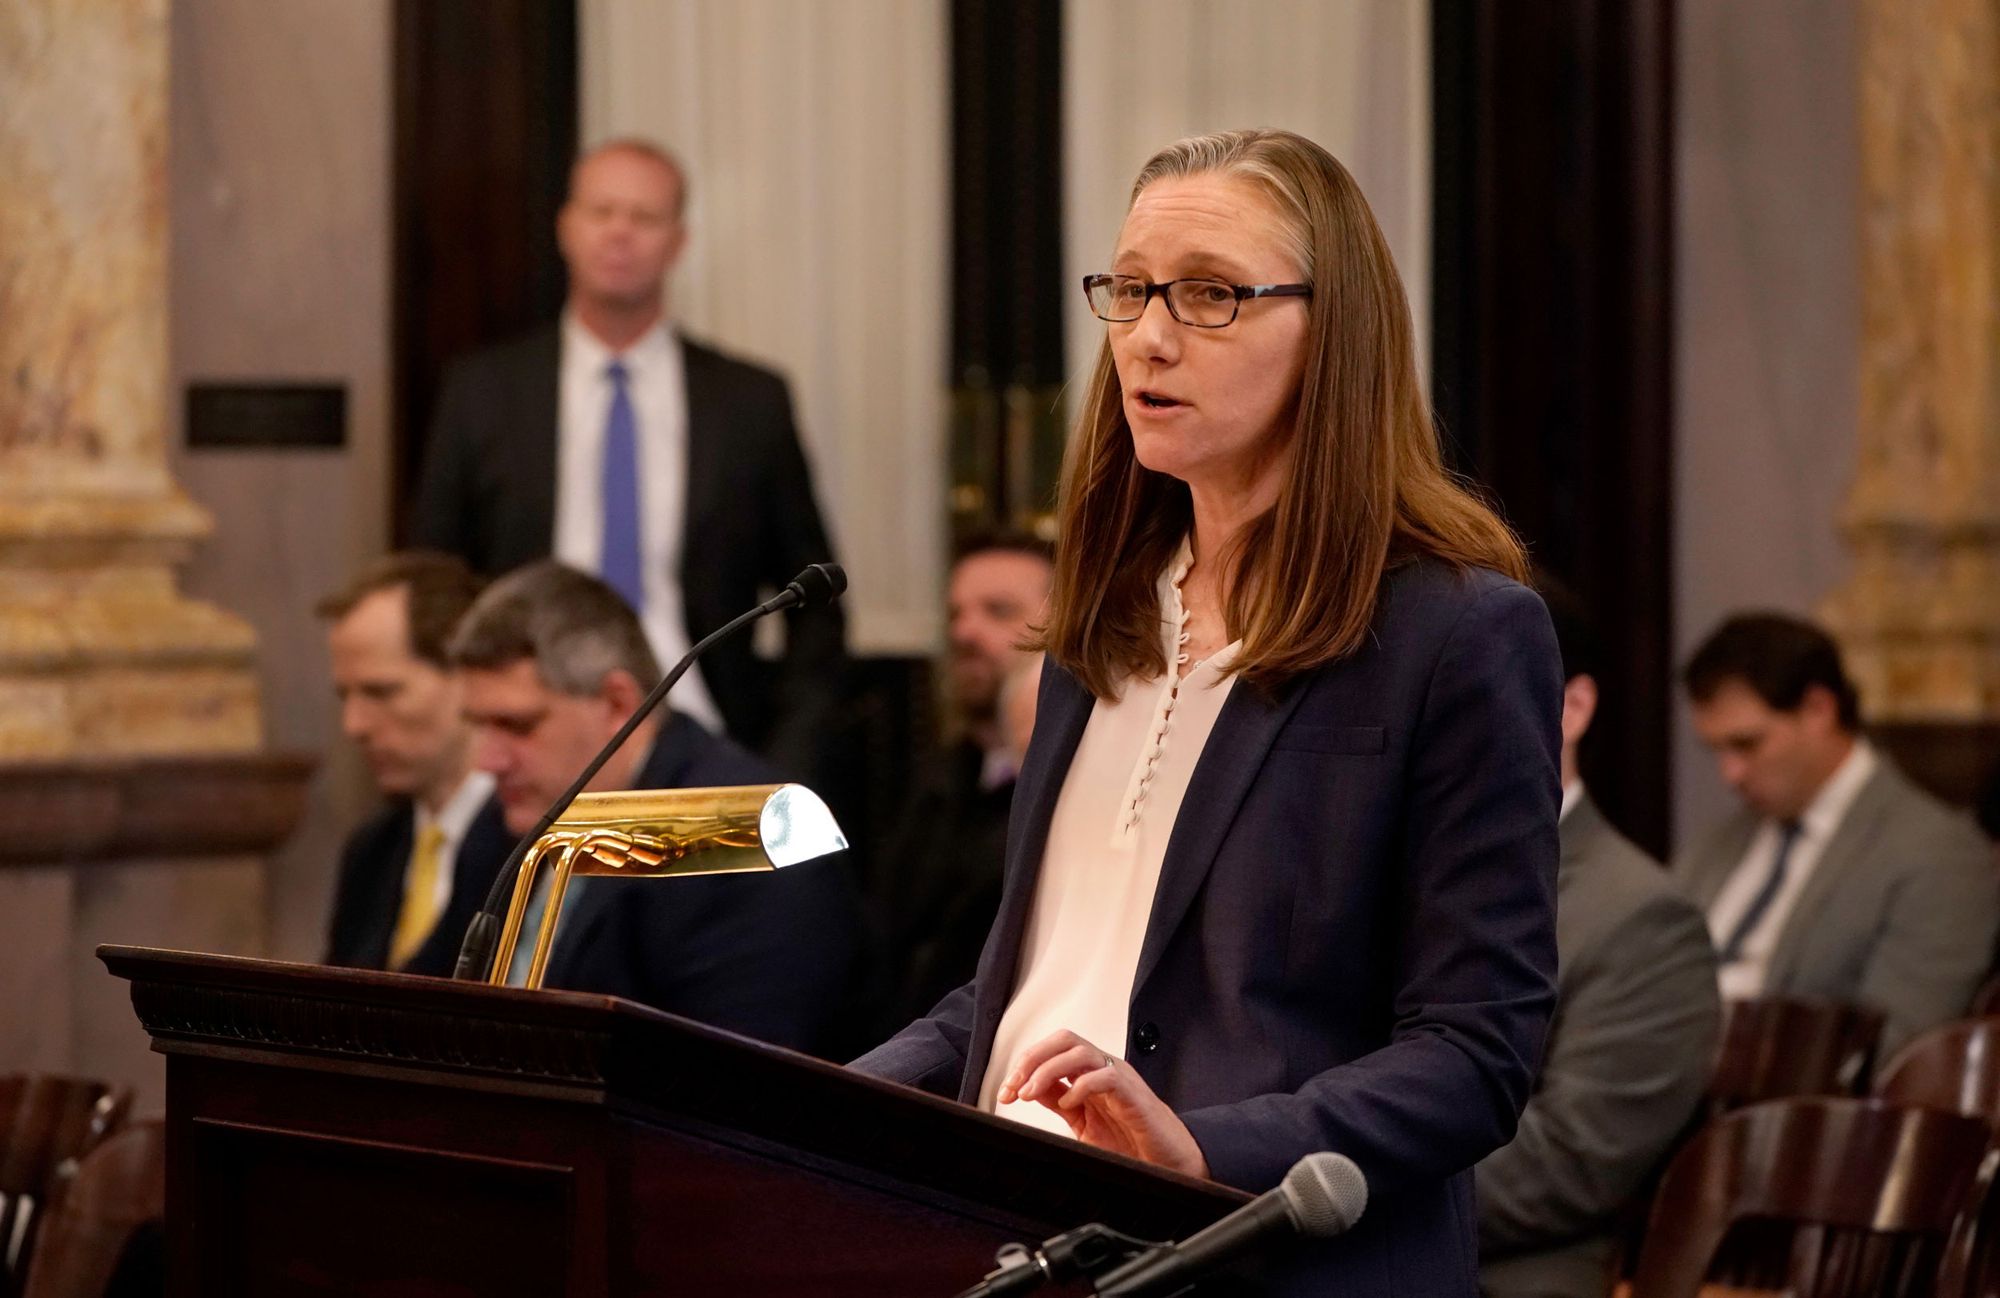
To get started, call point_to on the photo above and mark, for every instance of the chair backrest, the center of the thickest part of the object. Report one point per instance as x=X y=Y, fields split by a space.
x=47 y=1124
x=1777 y=1048
x=1956 y=1067
x=1971 y=1267
x=1841 y=1198
x=1986 y=1001
x=119 y=1192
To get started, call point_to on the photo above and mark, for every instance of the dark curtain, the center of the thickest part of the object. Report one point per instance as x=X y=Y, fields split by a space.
x=485 y=128
x=1552 y=299
x=1006 y=233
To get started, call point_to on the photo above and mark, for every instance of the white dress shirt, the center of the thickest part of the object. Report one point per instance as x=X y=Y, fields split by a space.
x=656 y=380
x=1743 y=978
x=454 y=818
x=1109 y=834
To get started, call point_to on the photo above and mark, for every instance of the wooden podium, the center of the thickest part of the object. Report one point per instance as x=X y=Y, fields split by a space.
x=339 y=1132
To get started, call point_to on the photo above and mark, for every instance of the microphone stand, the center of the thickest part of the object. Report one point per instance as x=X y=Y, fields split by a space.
x=1088 y=1251
x=475 y=954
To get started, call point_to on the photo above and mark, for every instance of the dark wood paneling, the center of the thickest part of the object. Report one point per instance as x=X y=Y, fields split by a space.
x=1958 y=761
x=486 y=126
x=1552 y=345
x=1007 y=281
x=410 y=1220
x=142 y=808
x=337 y=1131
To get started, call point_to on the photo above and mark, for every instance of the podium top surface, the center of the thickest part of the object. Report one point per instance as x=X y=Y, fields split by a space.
x=571 y=1048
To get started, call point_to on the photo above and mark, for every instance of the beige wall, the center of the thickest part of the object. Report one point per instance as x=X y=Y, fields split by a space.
x=1353 y=75
x=281 y=243
x=1767 y=334
x=816 y=138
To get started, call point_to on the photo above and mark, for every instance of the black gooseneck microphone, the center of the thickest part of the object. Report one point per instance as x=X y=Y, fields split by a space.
x=1320 y=1197
x=820 y=583
x=1083 y=1252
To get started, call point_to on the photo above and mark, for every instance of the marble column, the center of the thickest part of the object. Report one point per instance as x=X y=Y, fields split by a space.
x=138 y=803
x=1920 y=617
x=99 y=653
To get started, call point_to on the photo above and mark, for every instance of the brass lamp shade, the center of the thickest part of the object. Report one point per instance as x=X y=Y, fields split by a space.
x=665 y=834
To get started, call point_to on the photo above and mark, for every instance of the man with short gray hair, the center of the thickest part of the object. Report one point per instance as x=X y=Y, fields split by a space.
x=553 y=662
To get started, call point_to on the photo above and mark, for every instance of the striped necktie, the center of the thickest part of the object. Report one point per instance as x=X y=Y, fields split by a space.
x=1732 y=950
x=420 y=897
x=620 y=563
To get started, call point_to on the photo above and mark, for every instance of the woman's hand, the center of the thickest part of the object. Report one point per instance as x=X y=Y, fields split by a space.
x=1105 y=1102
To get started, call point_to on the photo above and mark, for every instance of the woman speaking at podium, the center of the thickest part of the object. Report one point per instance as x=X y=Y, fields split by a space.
x=1280 y=875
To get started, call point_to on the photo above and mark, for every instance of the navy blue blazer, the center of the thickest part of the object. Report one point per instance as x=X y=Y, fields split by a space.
x=769 y=955
x=1352 y=943
x=369 y=895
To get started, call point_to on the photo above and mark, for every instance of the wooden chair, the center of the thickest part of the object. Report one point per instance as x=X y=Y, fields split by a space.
x=1771 y=1048
x=1778 y=1048
x=1955 y=1067
x=1986 y=1001
x=1817 y=1198
x=118 y=1195
x=1971 y=1266
x=47 y=1124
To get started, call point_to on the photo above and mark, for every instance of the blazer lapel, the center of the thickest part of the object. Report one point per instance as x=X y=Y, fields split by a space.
x=707 y=422
x=1235 y=751
x=1717 y=858
x=1857 y=830
x=387 y=886
x=1060 y=717
x=541 y=422
x=1582 y=830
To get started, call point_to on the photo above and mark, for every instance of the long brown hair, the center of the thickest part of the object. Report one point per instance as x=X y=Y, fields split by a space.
x=1367 y=486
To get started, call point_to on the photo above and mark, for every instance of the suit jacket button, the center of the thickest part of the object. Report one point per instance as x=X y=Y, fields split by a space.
x=1146 y=1038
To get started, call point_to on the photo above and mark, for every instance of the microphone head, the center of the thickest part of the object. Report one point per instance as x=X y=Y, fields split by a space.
x=820 y=583
x=1325 y=1194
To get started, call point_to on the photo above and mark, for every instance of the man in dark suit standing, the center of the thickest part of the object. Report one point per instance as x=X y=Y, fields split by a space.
x=1838 y=879
x=553 y=663
x=413 y=874
x=613 y=443
x=1629 y=1050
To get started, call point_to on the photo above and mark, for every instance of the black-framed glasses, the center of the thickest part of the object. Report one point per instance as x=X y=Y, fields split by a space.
x=1202 y=303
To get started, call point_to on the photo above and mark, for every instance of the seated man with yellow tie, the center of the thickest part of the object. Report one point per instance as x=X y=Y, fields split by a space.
x=411 y=875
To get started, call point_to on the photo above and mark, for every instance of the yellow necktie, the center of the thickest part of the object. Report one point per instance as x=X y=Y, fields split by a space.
x=420 y=899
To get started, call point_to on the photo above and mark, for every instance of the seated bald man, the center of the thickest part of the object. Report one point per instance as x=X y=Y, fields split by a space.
x=1631 y=1046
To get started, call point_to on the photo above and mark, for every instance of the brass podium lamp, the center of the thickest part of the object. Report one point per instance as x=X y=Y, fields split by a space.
x=665 y=834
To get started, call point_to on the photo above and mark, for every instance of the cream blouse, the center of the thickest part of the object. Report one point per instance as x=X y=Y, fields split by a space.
x=1102 y=862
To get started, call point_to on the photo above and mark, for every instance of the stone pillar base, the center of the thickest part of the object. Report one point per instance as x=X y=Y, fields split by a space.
x=99 y=652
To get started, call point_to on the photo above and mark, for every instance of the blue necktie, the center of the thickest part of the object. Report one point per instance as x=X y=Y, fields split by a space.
x=619 y=562
x=1732 y=950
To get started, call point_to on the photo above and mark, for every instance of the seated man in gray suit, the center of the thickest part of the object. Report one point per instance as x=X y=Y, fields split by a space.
x=1629 y=1050
x=1838 y=879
